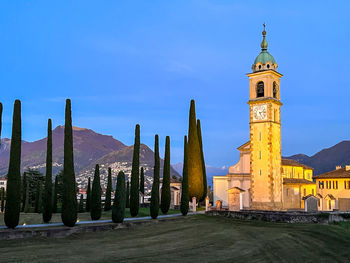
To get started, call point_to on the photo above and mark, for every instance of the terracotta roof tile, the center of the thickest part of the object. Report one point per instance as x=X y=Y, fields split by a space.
x=339 y=173
x=296 y=181
x=289 y=162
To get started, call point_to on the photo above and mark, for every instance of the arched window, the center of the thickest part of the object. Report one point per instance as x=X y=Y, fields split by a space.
x=260 y=89
x=274 y=90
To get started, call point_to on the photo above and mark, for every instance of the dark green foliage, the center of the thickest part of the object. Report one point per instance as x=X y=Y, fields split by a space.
x=0 y=120
x=154 y=206
x=142 y=184
x=2 y=195
x=13 y=193
x=81 y=204
x=184 y=188
x=96 y=207
x=69 y=202
x=134 y=189
x=109 y=191
x=55 y=196
x=38 y=198
x=199 y=130
x=127 y=195
x=88 y=197
x=24 y=191
x=166 y=195
x=47 y=200
x=118 y=210
x=195 y=167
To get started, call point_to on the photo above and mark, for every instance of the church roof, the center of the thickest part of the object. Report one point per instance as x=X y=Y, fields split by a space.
x=296 y=181
x=338 y=173
x=264 y=55
x=290 y=162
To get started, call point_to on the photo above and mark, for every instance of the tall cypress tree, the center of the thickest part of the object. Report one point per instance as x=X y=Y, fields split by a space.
x=88 y=196
x=142 y=184
x=127 y=195
x=199 y=130
x=166 y=195
x=118 y=210
x=195 y=167
x=96 y=207
x=47 y=213
x=13 y=196
x=134 y=189
x=154 y=206
x=184 y=188
x=24 y=191
x=55 y=196
x=81 y=204
x=109 y=191
x=69 y=204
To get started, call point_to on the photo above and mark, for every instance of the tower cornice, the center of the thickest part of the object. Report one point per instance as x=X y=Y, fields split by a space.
x=264 y=72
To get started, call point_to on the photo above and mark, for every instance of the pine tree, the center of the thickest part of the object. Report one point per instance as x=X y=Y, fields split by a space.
x=55 y=196
x=13 y=195
x=195 y=167
x=69 y=204
x=127 y=195
x=154 y=206
x=118 y=210
x=199 y=130
x=96 y=207
x=24 y=191
x=47 y=200
x=109 y=191
x=184 y=188
x=81 y=204
x=134 y=189
x=166 y=195
x=88 y=196
x=142 y=184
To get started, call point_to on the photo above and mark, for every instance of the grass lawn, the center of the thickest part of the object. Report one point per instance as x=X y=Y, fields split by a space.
x=34 y=218
x=197 y=238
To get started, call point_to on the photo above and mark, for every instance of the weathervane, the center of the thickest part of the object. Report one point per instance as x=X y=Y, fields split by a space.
x=264 y=26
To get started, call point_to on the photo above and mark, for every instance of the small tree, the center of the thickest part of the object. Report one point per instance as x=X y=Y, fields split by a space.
x=3 y=194
x=118 y=210
x=96 y=207
x=134 y=190
x=13 y=193
x=109 y=191
x=24 y=191
x=55 y=196
x=47 y=213
x=154 y=206
x=27 y=205
x=38 y=197
x=166 y=195
x=81 y=204
x=142 y=184
x=127 y=195
x=184 y=188
x=88 y=196
x=69 y=203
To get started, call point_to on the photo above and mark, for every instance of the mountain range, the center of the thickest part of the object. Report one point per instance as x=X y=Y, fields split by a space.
x=89 y=148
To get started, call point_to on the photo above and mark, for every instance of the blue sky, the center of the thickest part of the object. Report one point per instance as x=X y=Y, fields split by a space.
x=128 y=62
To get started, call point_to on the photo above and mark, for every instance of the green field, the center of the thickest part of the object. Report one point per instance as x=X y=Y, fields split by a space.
x=197 y=238
x=34 y=218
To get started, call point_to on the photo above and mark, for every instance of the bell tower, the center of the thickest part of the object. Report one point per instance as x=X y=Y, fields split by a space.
x=265 y=132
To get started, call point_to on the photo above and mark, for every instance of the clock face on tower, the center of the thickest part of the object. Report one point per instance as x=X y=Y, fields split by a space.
x=259 y=112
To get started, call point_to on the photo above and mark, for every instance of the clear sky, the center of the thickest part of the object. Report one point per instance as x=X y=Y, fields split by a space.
x=128 y=62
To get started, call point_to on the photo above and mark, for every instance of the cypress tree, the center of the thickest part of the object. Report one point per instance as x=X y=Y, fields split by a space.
x=109 y=191
x=24 y=191
x=154 y=206
x=195 y=167
x=13 y=195
x=96 y=207
x=134 y=189
x=127 y=195
x=37 y=197
x=199 y=130
x=81 y=204
x=184 y=188
x=55 y=196
x=0 y=121
x=26 y=206
x=69 y=202
x=118 y=210
x=88 y=196
x=2 y=199
x=166 y=195
x=142 y=184
x=40 y=199
x=47 y=213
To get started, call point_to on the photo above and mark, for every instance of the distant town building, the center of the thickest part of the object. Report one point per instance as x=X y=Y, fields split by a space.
x=3 y=183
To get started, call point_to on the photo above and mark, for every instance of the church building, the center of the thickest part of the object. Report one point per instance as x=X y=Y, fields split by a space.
x=262 y=180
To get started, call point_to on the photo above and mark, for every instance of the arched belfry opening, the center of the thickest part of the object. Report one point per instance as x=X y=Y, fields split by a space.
x=275 y=90
x=260 y=89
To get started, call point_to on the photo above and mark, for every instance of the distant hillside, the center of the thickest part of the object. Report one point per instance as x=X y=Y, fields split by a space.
x=327 y=159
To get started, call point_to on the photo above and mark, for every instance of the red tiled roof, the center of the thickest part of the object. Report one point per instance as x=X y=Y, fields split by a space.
x=339 y=173
x=289 y=162
x=296 y=181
